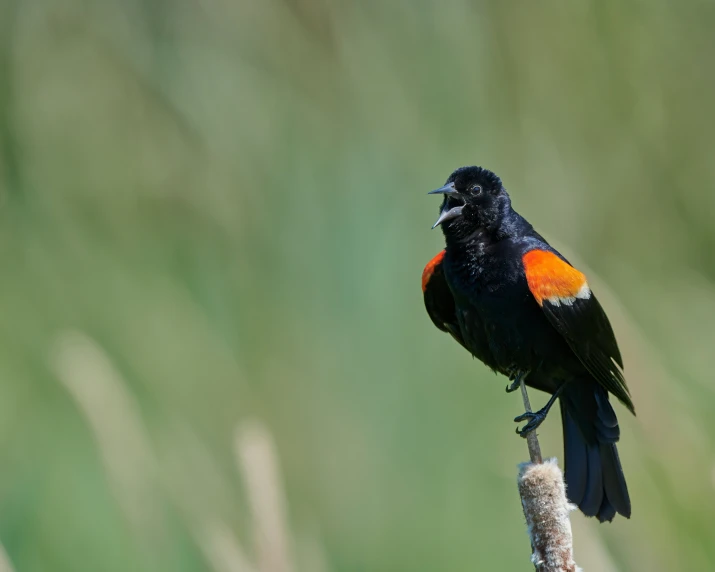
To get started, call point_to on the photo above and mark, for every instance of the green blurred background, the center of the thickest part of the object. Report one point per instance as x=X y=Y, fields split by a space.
x=213 y=224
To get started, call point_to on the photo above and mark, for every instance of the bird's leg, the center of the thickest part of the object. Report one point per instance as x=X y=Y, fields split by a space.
x=517 y=381
x=536 y=418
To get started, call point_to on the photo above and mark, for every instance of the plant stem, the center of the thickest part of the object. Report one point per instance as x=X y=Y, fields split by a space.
x=531 y=439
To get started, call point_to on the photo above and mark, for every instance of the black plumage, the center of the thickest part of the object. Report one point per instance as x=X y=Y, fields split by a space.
x=517 y=305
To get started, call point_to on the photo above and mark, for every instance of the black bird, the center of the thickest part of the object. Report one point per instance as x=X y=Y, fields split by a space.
x=517 y=305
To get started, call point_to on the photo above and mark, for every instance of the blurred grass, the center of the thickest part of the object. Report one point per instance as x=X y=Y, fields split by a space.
x=227 y=202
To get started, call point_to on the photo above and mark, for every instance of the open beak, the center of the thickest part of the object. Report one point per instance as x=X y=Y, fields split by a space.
x=447 y=214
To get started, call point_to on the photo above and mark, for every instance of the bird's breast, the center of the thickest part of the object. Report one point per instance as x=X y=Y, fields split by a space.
x=497 y=313
x=484 y=276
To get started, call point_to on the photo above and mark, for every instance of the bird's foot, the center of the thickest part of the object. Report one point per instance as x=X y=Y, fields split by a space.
x=535 y=419
x=514 y=385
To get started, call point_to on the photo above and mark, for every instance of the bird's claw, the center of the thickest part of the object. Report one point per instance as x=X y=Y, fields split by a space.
x=514 y=385
x=535 y=419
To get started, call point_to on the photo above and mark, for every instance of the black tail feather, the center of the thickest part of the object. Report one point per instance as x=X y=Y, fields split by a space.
x=614 y=481
x=593 y=495
x=594 y=477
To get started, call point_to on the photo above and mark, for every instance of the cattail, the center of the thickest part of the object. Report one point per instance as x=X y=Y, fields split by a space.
x=546 y=508
x=543 y=497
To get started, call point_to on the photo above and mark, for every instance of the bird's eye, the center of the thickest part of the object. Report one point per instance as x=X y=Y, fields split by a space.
x=476 y=189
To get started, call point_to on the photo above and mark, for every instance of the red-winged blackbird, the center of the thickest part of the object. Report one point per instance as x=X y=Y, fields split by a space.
x=517 y=305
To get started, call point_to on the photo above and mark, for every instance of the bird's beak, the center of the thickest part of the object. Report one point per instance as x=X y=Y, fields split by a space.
x=448 y=190
x=447 y=214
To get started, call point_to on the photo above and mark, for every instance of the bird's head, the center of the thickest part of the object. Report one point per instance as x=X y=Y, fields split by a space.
x=474 y=198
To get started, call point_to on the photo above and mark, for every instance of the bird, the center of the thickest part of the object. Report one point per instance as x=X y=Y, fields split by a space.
x=518 y=305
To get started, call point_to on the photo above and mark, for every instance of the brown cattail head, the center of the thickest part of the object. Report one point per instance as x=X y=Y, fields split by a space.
x=543 y=497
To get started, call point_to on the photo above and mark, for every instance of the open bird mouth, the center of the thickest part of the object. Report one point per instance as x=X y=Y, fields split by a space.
x=453 y=206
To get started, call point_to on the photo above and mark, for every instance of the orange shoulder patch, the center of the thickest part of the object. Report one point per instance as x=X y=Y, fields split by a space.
x=553 y=280
x=429 y=269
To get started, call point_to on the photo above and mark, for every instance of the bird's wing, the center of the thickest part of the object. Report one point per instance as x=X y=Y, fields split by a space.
x=438 y=298
x=566 y=299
